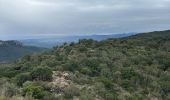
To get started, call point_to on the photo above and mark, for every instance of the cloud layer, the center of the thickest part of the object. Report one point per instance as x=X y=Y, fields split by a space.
x=82 y=16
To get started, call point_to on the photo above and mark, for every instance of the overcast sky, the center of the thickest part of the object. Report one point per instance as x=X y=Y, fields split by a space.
x=30 y=18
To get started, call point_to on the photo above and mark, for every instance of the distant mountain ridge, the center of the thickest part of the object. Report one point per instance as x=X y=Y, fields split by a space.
x=12 y=50
x=53 y=41
x=11 y=42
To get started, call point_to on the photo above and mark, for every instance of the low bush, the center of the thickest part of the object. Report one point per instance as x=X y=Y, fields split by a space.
x=23 y=77
x=42 y=74
x=35 y=91
x=71 y=91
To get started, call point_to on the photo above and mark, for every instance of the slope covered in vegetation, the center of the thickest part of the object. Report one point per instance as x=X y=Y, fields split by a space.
x=132 y=68
x=12 y=50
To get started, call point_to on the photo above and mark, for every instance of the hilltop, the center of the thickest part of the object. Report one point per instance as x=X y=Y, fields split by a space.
x=130 y=68
x=10 y=42
x=12 y=50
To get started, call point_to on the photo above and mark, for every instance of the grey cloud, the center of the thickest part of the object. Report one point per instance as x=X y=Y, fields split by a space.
x=83 y=16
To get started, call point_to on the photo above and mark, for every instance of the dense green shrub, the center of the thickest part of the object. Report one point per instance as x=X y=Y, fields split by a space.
x=70 y=66
x=93 y=64
x=128 y=73
x=127 y=85
x=111 y=96
x=71 y=91
x=88 y=42
x=8 y=71
x=49 y=96
x=106 y=72
x=23 y=77
x=165 y=64
x=8 y=89
x=108 y=83
x=82 y=49
x=86 y=70
x=165 y=83
x=36 y=91
x=87 y=96
x=42 y=74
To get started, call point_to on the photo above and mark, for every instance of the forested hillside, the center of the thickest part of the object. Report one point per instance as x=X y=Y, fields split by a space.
x=131 y=68
x=12 y=50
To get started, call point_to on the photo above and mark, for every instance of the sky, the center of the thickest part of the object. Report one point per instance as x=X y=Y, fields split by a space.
x=35 y=18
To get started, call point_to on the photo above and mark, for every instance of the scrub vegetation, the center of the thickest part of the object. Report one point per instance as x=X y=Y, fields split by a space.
x=131 y=68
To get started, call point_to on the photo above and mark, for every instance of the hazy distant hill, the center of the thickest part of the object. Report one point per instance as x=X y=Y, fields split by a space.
x=53 y=41
x=11 y=50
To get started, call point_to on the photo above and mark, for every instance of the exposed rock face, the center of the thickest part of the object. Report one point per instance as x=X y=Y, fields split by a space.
x=60 y=81
x=11 y=42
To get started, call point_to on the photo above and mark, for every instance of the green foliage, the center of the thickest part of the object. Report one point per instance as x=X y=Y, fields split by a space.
x=165 y=64
x=70 y=66
x=87 y=97
x=86 y=70
x=131 y=68
x=108 y=83
x=36 y=91
x=106 y=72
x=23 y=77
x=127 y=85
x=165 y=83
x=93 y=64
x=11 y=52
x=71 y=91
x=41 y=74
x=82 y=49
x=87 y=42
x=8 y=71
x=111 y=96
x=128 y=73
x=7 y=89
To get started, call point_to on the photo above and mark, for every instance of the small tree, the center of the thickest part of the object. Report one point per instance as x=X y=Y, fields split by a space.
x=165 y=64
x=71 y=91
x=108 y=83
x=42 y=73
x=36 y=91
x=23 y=77
x=71 y=66
x=128 y=73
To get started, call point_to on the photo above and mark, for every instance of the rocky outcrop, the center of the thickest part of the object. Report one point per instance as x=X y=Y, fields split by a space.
x=60 y=81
